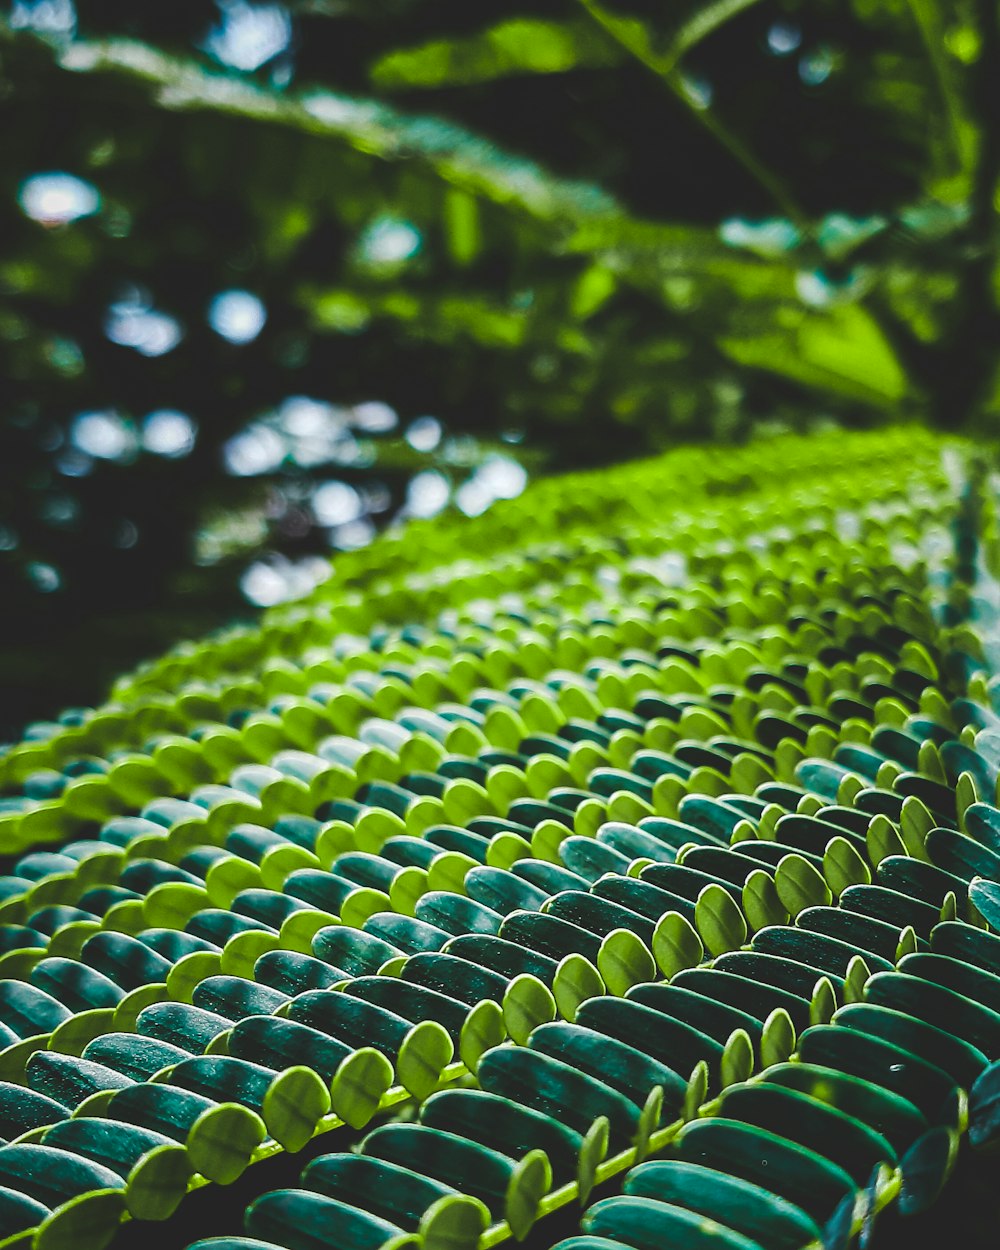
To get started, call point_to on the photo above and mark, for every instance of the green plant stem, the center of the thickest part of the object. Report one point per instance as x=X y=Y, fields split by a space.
x=968 y=362
x=924 y=15
x=667 y=73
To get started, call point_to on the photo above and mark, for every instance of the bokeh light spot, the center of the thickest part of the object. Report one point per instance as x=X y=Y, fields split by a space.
x=783 y=38
x=57 y=199
x=60 y=510
x=126 y=534
x=424 y=433
x=815 y=67
x=504 y=476
x=133 y=322
x=238 y=316
x=353 y=535
x=45 y=17
x=427 y=493
x=276 y=579
x=374 y=417
x=264 y=584
x=336 y=503
x=103 y=435
x=258 y=449
x=44 y=577
x=74 y=463
x=249 y=35
x=388 y=242
x=169 y=433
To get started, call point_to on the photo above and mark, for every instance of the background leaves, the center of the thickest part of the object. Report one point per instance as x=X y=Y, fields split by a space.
x=320 y=267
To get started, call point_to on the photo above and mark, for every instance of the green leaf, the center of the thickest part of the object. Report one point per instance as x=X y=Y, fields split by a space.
x=697 y=1090
x=359 y=1085
x=86 y=1219
x=985 y=897
x=676 y=945
x=575 y=981
x=925 y=1169
x=841 y=350
x=645 y=1222
x=984 y=1109
x=516 y=46
x=965 y=795
x=883 y=839
x=823 y=1003
x=526 y=1004
x=907 y=944
x=799 y=885
x=720 y=923
x=455 y=1222
x=272 y=1214
x=483 y=1029
x=737 y=1059
x=761 y=904
x=751 y=1210
x=777 y=1039
x=843 y=866
x=858 y=973
x=457 y=156
x=623 y=961
x=423 y=1056
x=222 y=1140
x=293 y=1106
x=529 y=1184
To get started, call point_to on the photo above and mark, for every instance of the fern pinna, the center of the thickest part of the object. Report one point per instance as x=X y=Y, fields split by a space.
x=641 y=833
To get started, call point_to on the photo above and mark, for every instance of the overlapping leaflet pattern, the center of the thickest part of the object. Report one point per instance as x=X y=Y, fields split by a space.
x=664 y=847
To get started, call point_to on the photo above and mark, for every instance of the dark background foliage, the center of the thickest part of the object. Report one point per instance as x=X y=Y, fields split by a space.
x=468 y=243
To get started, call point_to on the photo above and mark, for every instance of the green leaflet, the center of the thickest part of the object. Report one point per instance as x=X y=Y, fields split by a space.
x=359 y=1084
x=799 y=885
x=156 y=1169
x=898 y=1120
x=221 y=1141
x=985 y=895
x=446 y=1218
x=664 y=1037
x=283 y=1212
x=21 y=1215
x=777 y=1039
x=647 y=1224
x=526 y=1004
x=925 y=1168
x=575 y=981
x=489 y=1176
x=88 y=1219
x=793 y=1172
x=293 y=1106
x=512 y=1129
x=676 y=945
x=624 y=1067
x=720 y=922
x=623 y=961
x=750 y=1210
x=536 y=1080
x=574 y=877
x=761 y=902
x=960 y=1060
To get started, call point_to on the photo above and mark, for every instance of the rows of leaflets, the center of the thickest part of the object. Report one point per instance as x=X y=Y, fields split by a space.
x=632 y=848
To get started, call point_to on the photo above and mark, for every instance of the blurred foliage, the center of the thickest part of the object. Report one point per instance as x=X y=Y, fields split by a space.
x=275 y=274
